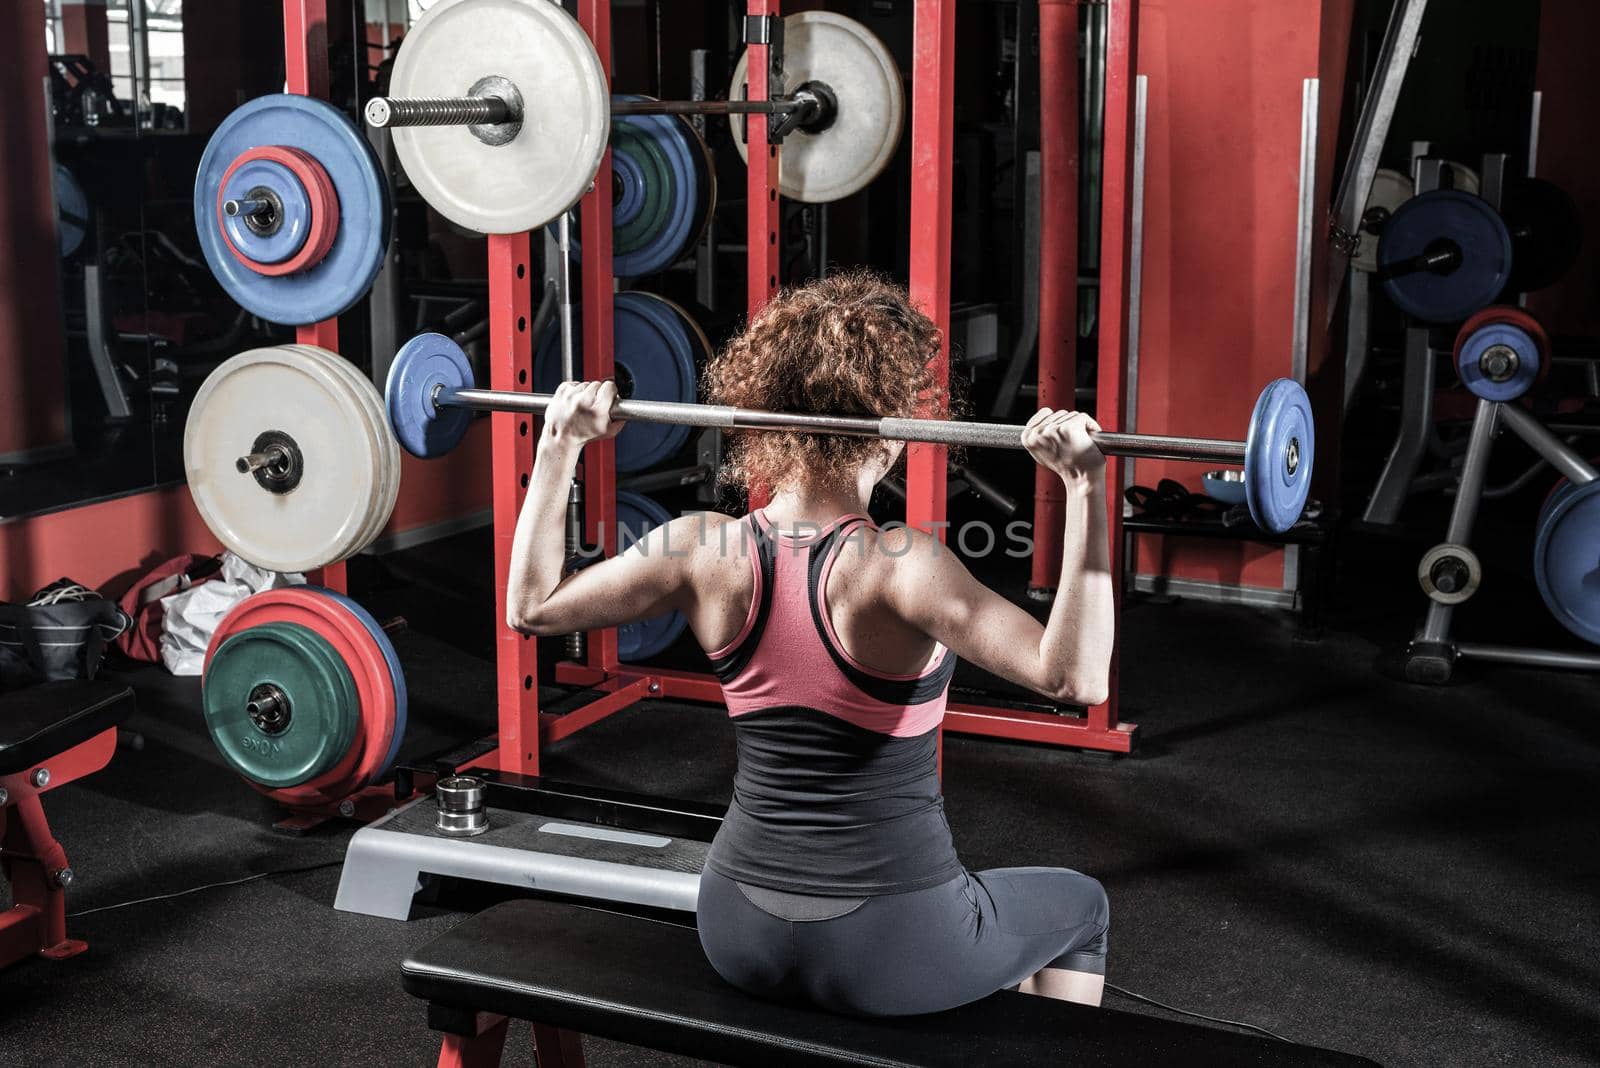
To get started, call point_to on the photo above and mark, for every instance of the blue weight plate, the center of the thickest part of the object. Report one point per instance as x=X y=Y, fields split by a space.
x=422 y=365
x=1566 y=558
x=346 y=273
x=1435 y=220
x=1279 y=454
x=1514 y=338
x=654 y=360
x=636 y=516
x=387 y=647
x=687 y=180
x=629 y=178
x=72 y=211
x=295 y=217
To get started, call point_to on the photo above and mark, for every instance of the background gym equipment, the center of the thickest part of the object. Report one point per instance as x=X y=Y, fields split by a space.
x=664 y=189
x=292 y=209
x=1390 y=189
x=1566 y=557
x=637 y=515
x=839 y=58
x=523 y=139
x=1446 y=226
x=289 y=459
x=659 y=351
x=304 y=696
x=1443 y=255
x=72 y=211
x=1566 y=543
x=1546 y=232
x=430 y=384
x=1501 y=352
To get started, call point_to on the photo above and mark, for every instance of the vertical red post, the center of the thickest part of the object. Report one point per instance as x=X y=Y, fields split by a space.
x=1058 y=262
x=305 y=51
x=599 y=460
x=511 y=448
x=1115 y=230
x=761 y=188
x=932 y=150
x=762 y=214
x=305 y=58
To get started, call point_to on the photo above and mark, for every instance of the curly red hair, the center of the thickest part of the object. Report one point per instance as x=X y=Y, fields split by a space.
x=849 y=344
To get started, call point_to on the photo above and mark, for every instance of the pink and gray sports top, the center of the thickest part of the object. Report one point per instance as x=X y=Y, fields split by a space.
x=837 y=791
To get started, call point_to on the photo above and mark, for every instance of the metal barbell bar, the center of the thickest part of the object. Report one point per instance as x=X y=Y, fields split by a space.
x=431 y=393
x=925 y=431
x=489 y=110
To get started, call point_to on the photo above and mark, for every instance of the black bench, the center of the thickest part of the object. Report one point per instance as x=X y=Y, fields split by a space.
x=575 y=971
x=50 y=735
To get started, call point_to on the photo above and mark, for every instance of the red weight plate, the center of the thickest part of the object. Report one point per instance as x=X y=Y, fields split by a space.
x=308 y=607
x=324 y=208
x=1501 y=313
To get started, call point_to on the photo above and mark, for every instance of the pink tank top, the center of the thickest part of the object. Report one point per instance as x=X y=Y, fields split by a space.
x=788 y=654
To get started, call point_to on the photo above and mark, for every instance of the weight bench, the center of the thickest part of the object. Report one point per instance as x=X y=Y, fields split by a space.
x=50 y=734
x=574 y=971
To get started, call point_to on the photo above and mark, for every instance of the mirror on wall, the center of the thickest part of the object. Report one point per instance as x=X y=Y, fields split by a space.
x=109 y=317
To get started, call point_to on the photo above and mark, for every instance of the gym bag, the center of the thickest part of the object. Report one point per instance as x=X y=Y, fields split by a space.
x=61 y=633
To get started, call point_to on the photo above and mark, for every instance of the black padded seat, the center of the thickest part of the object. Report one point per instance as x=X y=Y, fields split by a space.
x=38 y=723
x=646 y=983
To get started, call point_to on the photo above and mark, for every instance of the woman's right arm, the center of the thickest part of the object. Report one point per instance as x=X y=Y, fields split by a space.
x=1069 y=657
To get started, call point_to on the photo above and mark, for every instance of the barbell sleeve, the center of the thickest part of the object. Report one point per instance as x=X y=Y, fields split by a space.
x=246 y=206
x=389 y=112
x=925 y=431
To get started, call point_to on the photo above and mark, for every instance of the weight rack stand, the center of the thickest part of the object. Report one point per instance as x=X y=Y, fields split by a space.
x=305 y=55
x=523 y=728
x=305 y=64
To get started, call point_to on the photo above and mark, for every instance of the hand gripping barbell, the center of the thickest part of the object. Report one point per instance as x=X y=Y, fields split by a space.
x=430 y=396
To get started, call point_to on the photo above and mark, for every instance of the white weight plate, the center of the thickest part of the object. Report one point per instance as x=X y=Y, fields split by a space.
x=1466 y=179
x=341 y=367
x=545 y=168
x=389 y=448
x=1390 y=189
x=317 y=522
x=844 y=55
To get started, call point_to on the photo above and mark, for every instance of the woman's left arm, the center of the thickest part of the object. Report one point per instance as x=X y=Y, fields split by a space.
x=648 y=579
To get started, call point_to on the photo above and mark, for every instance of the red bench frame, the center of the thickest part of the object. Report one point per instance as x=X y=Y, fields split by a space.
x=32 y=859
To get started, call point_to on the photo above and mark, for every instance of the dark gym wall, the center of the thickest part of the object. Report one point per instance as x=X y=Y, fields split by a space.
x=1467 y=89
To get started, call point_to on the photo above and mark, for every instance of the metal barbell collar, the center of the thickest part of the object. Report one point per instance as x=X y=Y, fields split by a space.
x=926 y=431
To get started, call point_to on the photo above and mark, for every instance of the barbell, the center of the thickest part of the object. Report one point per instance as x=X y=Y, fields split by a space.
x=430 y=396
x=501 y=111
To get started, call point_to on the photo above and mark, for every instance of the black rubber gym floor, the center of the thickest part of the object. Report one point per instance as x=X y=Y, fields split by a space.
x=1300 y=842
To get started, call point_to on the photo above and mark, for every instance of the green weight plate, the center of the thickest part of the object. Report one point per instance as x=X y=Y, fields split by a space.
x=280 y=704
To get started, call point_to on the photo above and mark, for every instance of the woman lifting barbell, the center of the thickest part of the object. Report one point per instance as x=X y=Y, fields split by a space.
x=834 y=878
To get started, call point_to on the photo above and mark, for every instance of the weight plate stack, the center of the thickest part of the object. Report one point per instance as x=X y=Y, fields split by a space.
x=657 y=348
x=319 y=241
x=637 y=515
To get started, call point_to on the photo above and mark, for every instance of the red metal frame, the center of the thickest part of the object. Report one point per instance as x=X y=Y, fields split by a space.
x=622 y=685
x=1058 y=265
x=305 y=59
x=932 y=145
x=933 y=66
x=36 y=923
x=554 y=1047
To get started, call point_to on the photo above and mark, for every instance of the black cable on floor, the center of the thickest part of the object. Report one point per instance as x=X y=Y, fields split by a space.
x=206 y=886
x=1199 y=1015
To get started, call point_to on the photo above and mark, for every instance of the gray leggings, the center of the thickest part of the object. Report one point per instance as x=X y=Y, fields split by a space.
x=898 y=954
